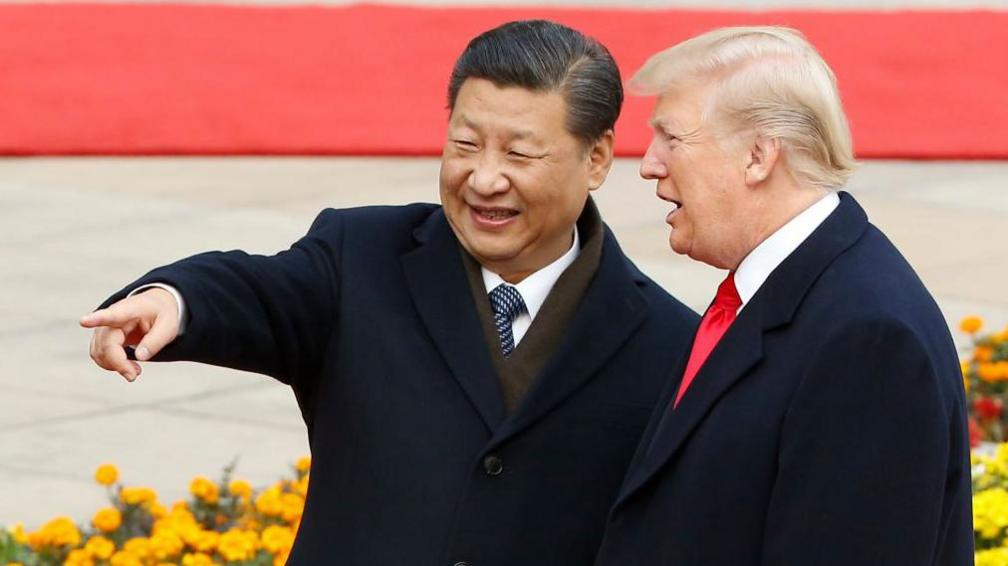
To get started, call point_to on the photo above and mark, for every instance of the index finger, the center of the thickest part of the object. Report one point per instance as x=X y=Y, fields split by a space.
x=116 y=315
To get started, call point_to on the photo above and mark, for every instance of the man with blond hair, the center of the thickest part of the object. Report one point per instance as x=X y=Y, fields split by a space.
x=820 y=417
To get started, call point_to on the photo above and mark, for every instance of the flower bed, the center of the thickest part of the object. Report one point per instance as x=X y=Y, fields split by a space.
x=227 y=522
x=985 y=374
x=224 y=522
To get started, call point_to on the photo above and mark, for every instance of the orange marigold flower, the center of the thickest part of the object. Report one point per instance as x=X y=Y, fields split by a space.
x=125 y=558
x=983 y=353
x=237 y=545
x=60 y=531
x=987 y=372
x=197 y=559
x=204 y=490
x=106 y=474
x=971 y=324
x=100 y=547
x=269 y=503
x=293 y=506
x=78 y=557
x=107 y=520
x=277 y=539
x=303 y=464
x=138 y=547
x=137 y=495
x=166 y=544
x=240 y=488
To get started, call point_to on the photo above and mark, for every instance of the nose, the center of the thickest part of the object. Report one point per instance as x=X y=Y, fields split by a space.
x=651 y=167
x=487 y=177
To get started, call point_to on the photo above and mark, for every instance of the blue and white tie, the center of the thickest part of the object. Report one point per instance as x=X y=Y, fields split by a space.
x=507 y=304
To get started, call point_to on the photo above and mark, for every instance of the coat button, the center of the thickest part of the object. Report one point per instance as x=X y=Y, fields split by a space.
x=492 y=465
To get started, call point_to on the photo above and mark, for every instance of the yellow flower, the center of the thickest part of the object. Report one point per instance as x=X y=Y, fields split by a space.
x=293 y=505
x=990 y=513
x=18 y=533
x=992 y=557
x=987 y=372
x=137 y=495
x=983 y=353
x=107 y=520
x=125 y=558
x=204 y=490
x=300 y=487
x=138 y=547
x=100 y=547
x=277 y=539
x=78 y=557
x=60 y=531
x=237 y=545
x=197 y=559
x=157 y=510
x=971 y=324
x=205 y=541
x=106 y=474
x=165 y=544
x=303 y=464
x=268 y=503
x=240 y=488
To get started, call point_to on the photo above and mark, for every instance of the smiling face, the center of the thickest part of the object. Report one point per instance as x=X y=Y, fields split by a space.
x=513 y=179
x=701 y=168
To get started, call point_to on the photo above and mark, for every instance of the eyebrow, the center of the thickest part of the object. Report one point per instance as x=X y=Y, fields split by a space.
x=662 y=123
x=518 y=134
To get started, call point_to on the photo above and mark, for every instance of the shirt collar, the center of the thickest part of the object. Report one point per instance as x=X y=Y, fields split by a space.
x=537 y=286
x=762 y=261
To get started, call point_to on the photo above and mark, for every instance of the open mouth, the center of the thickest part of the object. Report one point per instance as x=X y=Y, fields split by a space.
x=494 y=214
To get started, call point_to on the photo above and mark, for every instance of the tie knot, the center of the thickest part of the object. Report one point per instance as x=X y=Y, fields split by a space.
x=727 y=295
x=506 y=301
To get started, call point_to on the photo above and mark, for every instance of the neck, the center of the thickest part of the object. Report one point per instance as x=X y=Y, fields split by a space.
x=778 y=205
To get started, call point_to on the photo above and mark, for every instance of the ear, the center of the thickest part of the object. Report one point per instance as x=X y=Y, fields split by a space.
x=600 y=159
x=763 y=156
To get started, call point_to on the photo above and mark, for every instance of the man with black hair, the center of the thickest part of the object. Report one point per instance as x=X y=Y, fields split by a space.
x=474 y=376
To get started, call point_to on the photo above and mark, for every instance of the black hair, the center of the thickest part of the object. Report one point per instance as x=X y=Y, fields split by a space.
x=540 y=55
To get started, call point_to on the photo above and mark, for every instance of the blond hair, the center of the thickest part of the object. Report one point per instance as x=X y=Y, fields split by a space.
x=771 y=79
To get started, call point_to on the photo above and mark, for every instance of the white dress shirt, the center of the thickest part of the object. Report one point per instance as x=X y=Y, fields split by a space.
x=534 y=288
x=762 y=261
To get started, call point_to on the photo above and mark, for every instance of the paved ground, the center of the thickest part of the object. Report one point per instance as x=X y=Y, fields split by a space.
x=74 y=230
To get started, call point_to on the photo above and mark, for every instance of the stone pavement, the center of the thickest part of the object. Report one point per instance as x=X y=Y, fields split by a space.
x=75 y=230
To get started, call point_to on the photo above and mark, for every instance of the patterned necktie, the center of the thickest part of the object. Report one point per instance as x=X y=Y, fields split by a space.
x=507 y=304
x=715 y=323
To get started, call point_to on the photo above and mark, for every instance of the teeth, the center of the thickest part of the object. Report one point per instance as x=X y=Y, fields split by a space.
x=496 y=214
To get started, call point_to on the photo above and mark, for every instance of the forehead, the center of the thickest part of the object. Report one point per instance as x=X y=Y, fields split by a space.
x=683 y=104
x=482 y=105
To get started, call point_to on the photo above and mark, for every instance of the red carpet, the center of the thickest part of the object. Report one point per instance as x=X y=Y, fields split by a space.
x=165 y=79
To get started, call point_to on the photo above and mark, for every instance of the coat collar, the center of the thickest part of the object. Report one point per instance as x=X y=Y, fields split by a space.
x=612 y=308
x=437 y=281
x=773 y=306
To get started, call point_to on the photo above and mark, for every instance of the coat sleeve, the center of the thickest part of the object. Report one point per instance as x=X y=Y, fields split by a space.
x=265 y=314
x=864 y=454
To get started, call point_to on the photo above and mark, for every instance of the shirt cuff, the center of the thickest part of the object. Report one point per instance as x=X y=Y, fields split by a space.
x=179 y=301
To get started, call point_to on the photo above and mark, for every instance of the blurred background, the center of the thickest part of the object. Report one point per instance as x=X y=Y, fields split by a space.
x=138 y=134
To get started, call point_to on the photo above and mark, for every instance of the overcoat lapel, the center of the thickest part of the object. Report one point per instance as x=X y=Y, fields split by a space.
x=437 y=282
x=741 y=348
x=612 y=308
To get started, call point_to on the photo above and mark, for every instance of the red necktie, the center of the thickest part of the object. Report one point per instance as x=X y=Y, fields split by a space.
x=716 y=320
